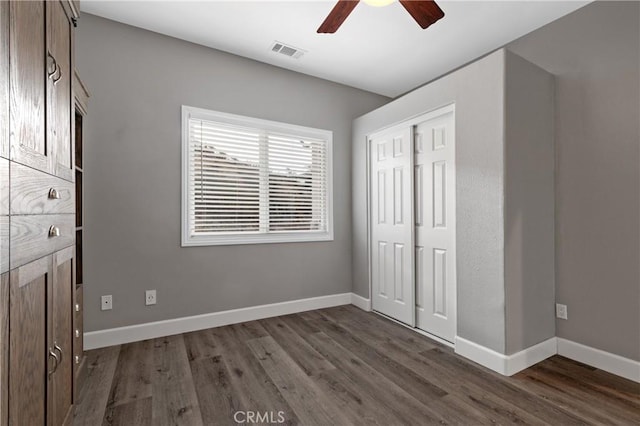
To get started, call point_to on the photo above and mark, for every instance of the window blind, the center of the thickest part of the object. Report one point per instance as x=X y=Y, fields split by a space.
x=244 y=180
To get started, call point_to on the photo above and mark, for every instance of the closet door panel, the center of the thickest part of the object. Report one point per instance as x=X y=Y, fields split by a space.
x=435 y=225
x=392 y=223
x=28 y=70
x=59 y=90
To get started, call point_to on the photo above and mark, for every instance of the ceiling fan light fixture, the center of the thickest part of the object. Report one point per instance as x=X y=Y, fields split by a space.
x=378 y=3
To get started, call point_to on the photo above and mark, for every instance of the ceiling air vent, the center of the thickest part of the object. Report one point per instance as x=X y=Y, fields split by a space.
x=283 y=49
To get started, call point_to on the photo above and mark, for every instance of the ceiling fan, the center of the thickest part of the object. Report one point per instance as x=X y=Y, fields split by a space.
x=425 y=12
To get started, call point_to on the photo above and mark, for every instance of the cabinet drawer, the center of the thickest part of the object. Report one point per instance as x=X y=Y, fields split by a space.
x=35 y=192
x=31 y=239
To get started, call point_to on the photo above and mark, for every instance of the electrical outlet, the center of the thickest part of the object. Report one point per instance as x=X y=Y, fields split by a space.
x=106 y=302
x=561 y=311
x=150 y=297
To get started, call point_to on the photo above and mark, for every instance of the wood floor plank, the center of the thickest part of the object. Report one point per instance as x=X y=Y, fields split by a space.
x=136 y=412
x=174 y=397
x=252 y=386
x=503 y=388
x=132 y=378
x=379 y=328
x=217 y=399
x=200 y=344
x=302 y=394
x=94 y=395
x=419 y=387
x=404 y=373
x=580 y=404
x=311 y=362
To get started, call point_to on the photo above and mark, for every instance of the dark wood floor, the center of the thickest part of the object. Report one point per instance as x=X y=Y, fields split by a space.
x=336 y=366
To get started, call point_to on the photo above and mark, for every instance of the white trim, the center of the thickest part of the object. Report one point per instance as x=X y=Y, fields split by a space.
x=606 y=361
x=151 y=330
x=188 y=240
x=530 y=356
x=506 y=365
x=361 y=302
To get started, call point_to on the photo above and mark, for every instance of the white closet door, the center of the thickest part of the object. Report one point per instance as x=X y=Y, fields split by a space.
x=435 y=217
x=392 y=230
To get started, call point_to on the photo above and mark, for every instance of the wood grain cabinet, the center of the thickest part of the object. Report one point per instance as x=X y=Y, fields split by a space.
x=40 y=76
x=4 y=349
x=4 y=80
x=30 y=360
x=38 y=318
x=59 y=99
x=60 y=385
x=27 y=71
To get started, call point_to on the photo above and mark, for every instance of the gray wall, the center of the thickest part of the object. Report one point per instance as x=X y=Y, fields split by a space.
x=478 y=92
x=595 y=55
x=138 y=81
x=529 y=245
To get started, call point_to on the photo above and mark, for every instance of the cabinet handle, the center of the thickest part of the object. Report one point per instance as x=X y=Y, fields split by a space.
x=54 y=231
x=56 y=80
x=57 y=360
x=59 y=349
x=54 y=194
x=55 y=66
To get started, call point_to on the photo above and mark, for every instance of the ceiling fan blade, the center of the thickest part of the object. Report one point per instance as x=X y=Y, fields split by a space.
x=337 y=16
x=425 y=12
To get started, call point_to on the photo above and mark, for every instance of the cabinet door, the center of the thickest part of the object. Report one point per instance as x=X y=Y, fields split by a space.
x=4 y=79
x=4 y=349
x=28 y=71
x=59 y=105
x=28 y=354
x=61 y=329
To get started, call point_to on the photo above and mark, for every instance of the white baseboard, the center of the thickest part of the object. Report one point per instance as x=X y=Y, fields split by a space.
x=152 y=330
x=507 y=365
x=530 y=356
x=361 y=302
x=606 y=361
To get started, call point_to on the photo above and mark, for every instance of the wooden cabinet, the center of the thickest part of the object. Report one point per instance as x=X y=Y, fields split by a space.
x=59 y=105
x=28 y=70
x=60 y=386
x=38 y=319
x=41 y=70
x=4 y=349
x=4 y=80
x=40 y=380
x=29 y=356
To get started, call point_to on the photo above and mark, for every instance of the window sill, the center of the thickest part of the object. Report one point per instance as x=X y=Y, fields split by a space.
x=230 y=240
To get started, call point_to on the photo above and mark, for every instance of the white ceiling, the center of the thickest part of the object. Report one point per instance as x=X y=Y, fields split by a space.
x=381 y=50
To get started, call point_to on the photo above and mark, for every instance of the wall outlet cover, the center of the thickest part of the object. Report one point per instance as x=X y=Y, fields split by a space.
x=106 y=302
x=561 y=311
x=150 y=297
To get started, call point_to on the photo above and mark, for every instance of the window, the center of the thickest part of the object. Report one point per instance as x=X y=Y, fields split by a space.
x=246 y=180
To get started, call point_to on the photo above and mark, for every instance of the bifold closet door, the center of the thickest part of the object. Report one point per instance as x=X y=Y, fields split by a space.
x=392 y=230
x=435 y=218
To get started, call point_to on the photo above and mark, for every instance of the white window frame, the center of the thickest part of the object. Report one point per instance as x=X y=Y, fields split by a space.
x=252 y=237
